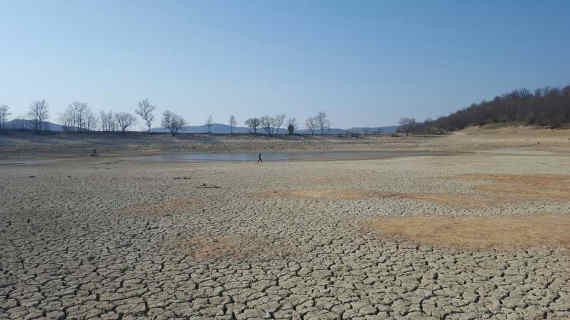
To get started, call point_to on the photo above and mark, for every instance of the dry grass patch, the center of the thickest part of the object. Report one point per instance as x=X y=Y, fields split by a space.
x=462 y=200
x=454 y=199
x=328 y=194
x=153 y=151
x=502 y=189
x=523 y=187
x=235 y=246
x=326 y=180
x=477 y=232
x=166 y=207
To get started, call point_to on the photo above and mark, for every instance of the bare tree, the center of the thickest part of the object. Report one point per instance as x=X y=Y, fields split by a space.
x=233 y=123
x=92 y=121
x=68 y=118
x=291 y=126
x=253 y=123
x=104 y=121
x=4 y=115
x=311 y=124
x=277 y=123
x=145 y=111
x=210 y=123
x=172 y=122
x=78 y=117
x=39 y=114
x=124 y=120
x=266 y=123
x=407 y=125
x=108 y=123
x=323 y=122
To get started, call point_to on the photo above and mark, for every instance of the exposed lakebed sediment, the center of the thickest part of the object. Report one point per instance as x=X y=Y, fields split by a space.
x=118 y=238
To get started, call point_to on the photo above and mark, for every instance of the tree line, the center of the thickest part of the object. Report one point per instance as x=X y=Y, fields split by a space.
x=273 y=124
x=4 y=113
x=548 y=107
x=80 y=117
x=545 y=107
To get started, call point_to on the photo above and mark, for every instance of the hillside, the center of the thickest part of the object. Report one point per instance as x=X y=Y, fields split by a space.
x=547 y=107
x=502 y=138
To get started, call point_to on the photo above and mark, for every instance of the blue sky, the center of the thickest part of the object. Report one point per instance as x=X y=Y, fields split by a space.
x=365 y=63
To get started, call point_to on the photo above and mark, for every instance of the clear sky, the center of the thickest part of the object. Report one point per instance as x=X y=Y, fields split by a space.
x=366 y=63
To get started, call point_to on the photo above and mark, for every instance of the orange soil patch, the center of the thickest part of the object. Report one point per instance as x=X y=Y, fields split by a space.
x=151 y=150
x=503 y=189
x=170 y=206
x=477 y=232
x=523 y=187
x=463 y=200
x=324 y=180
x=328 y=194
x=455 y=199
x=235 y=246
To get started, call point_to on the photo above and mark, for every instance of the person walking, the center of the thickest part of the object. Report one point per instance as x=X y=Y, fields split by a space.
x=259 y=160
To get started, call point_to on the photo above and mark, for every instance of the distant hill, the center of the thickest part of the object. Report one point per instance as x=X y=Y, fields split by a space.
x=29 y=124
x=328 y=131
x=220 y=128
x=370 y=130
x=217 y=128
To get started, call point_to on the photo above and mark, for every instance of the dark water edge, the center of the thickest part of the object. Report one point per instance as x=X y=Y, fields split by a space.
x=266 y=156
x=289 y=156
x=25 y=162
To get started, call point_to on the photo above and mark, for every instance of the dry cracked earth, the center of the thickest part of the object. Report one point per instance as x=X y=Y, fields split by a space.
x=124 y=239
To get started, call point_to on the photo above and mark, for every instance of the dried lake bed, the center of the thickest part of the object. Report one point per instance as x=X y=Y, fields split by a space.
x=417 y=236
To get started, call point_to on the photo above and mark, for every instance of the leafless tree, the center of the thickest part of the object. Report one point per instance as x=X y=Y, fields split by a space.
x=311 y=124
x=145 y=111
x=277 y=123
x=210 y=123
x=39 y=114
x=407 y=125
x=108 y=123
x=92 y=121
x=124 y=120
x=291 y=126
x=78 y=117
x=67 y=119
x=4 y=115
x=233 y=123
x=266 y=123
x=253 y=123
x=172 y=122
x=323 y=122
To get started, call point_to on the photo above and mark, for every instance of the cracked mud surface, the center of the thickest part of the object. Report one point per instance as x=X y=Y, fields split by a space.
x=130 y=240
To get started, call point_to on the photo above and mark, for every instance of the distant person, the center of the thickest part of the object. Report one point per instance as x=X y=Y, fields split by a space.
x=259 y=160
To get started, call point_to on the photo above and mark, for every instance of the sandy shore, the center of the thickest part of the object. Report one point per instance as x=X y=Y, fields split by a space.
x=115 y=238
